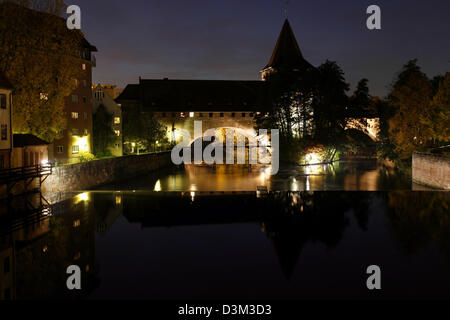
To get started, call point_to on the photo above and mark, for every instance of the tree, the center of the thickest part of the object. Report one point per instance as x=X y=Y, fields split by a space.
x=104 y=136
x=38 y=55
x=411 y=96
x=142 y=129
x=329 y=103
x=436 y=118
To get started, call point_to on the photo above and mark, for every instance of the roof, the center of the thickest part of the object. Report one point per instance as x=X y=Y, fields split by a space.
x=23 y=140
x=196 y=95
x=4 y=82
x=286 y=53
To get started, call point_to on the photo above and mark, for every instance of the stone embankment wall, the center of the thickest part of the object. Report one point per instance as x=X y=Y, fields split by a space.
x=431 y=170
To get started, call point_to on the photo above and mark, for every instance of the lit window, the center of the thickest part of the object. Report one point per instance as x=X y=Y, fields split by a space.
x=75 y=132
x=117 y=120
x=75 y=149
x=191 y=114
x=83 y=66
x=43 y=96
x=182 y=114
x=74 y=115
x=117 y=132
x=76 y=223
x=85 y=132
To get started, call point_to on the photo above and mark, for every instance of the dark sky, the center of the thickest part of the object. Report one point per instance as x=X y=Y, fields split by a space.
x=232 y=39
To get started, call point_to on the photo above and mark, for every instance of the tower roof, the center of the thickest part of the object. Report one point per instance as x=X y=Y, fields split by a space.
x=287 y=53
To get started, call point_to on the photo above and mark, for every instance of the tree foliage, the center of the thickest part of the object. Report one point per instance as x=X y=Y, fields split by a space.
x=41 y=58
x=420 y=121
x=143 y=129
x=104 y=136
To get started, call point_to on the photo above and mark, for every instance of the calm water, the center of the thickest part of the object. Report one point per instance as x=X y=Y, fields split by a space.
x=231 y=244
x=347 y=175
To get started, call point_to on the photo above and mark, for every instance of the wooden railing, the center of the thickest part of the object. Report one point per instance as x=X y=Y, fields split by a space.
x=23 y=173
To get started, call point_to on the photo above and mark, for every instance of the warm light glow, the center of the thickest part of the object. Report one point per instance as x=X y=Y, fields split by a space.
x=82 y=142
x=192 y=196
x=191 y=114
x=157 y=186
x=118 y=200
x=44 y=162
x=312 y=158
x=82 y=197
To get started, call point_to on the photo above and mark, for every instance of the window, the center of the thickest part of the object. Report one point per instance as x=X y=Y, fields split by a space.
x=84 y=100
x=210 y=114
x=233 y=114
x=200 y=115
x=59 y=149
x=83 y=66
x=75 y=132
x=173 y=115
x=251 y=114
x=4 y=132
x=117 y=132
x=182 y=114
x=221 y=114
x=85 y=132
x=3 y=101
x=243 y=114
x=74 y=115
x=84 y=83
x=2 y=162
x=76 y=223
x=85 y=115
x=75 y=149
x=191 y=114
x=117 y=119
x=117 y=145
x=74 y=98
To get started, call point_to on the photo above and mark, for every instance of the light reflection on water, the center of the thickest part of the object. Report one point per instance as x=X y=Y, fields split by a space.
x=350 y=176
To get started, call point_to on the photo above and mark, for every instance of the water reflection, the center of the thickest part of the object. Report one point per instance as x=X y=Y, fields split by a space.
x=228 y=244
x=364 y=175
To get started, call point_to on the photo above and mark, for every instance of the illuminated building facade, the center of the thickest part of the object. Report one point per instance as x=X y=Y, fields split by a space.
x=5 y=122
x=77 y=137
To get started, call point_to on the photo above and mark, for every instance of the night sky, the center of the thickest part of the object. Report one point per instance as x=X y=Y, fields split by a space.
x=233 y=39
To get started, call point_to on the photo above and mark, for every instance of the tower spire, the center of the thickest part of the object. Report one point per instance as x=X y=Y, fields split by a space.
x=286 y=4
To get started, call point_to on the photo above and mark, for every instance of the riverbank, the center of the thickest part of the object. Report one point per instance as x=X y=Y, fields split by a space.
x=92 y=174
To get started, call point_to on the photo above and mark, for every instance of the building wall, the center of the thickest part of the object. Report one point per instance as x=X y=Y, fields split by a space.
x=218 y=120
x=5 y=120
x=431 y=170
x=101 y=96
x=28 y=156
x=79 y=130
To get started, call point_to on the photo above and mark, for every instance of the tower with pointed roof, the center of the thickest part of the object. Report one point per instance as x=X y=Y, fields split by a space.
x=286 y=56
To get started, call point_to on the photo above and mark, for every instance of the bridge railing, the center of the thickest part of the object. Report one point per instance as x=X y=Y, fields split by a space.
x=22 y=173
